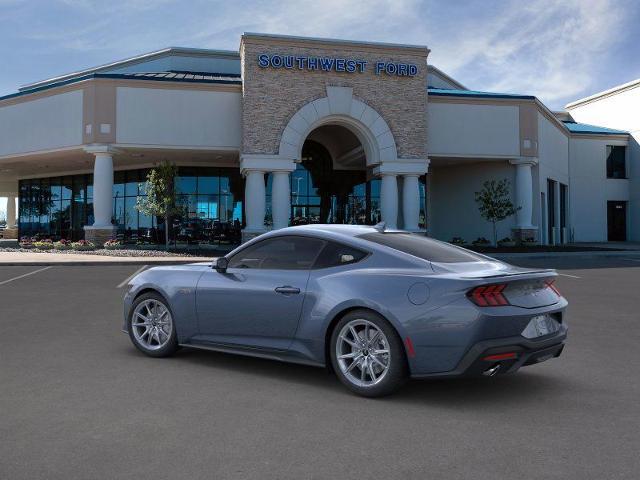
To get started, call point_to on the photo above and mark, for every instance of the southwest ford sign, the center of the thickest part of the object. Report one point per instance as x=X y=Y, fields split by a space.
x=333 y=64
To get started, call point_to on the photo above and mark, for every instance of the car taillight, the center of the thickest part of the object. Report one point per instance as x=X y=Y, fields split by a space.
x=488 y=295
x=551 y=285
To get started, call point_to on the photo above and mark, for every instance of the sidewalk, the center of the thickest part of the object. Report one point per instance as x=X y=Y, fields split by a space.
x=37 y=259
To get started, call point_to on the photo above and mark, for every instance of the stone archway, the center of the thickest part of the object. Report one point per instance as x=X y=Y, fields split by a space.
x=339 y=107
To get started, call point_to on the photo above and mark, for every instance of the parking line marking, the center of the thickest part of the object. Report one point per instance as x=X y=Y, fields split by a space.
x=567 y=275
x=123 y=283
x=25 y=275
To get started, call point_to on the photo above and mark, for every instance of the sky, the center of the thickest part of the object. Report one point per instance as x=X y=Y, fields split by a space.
x=557 y=50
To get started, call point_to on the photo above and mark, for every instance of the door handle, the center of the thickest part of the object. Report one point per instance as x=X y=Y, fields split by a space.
x=287 y=290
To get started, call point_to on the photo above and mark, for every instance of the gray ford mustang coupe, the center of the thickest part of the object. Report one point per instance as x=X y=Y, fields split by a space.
x=376 y=306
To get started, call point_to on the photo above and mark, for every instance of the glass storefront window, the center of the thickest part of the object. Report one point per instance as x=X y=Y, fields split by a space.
x=212 y=203
x=355 y=204
x=186 y=184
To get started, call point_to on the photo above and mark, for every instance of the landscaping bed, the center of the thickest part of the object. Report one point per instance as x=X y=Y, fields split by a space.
x=537 y=249
x=102 y=252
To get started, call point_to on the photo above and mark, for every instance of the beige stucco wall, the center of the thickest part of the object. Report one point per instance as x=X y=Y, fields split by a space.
x=590 y=189
x=272 y=96
x=461 y=129
x=178 y=117
x=619 y=110
x=50 y=122
x=453 y=209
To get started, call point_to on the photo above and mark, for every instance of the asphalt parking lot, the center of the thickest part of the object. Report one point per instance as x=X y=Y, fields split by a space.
x=77 y=401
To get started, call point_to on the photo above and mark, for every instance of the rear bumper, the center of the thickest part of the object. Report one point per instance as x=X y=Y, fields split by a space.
x=527 y=352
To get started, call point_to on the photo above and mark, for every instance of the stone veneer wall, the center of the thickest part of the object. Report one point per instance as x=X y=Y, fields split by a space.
x=272 y=96
x=99 y=236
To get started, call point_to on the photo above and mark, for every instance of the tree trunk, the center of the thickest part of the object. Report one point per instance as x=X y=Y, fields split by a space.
x=166 y=232
x=495 y=235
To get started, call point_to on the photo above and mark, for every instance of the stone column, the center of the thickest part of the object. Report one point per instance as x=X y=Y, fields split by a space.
x=524 y=198
x=410 y=170
x=280 y=199
x=255 y=202
x=411 y=202
x=102 y=228
x=389 y=200
x=11 y=232
x=254 y=166
x=11 y=212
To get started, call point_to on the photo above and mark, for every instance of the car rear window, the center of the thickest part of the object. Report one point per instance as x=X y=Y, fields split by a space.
x=336 y=254
x=423 y=247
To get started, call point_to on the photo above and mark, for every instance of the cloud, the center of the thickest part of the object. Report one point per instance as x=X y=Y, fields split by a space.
x=557 y=50
x=550 y=49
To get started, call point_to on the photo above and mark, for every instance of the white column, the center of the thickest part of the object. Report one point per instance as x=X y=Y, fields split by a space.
x=524 y=194
x=280 y=199
x=255 y=200
x=389 y=200
x=11 y=212
x=103 y=190
x=411 y=202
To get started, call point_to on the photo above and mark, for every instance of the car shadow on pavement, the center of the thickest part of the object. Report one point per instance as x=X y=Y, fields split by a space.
x=521 y=388
x=259 y=367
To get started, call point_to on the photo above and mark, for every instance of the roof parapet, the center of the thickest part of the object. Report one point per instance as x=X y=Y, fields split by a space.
x=133 y=61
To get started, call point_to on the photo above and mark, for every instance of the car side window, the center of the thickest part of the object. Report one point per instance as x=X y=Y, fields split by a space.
x=334 y=254
x=279 y=253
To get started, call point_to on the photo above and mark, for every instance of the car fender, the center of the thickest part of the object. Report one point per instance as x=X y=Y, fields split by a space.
x=368 y=304
x=178 y=288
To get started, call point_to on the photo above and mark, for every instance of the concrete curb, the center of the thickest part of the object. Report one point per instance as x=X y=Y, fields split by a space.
x=588 y=254
x=98 y=264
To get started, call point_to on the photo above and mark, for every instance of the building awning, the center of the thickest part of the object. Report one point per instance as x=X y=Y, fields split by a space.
x=444 y=92
x=585 y=128
x=170 y=76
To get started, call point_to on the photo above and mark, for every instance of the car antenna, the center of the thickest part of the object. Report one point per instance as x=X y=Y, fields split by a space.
x=380 y=226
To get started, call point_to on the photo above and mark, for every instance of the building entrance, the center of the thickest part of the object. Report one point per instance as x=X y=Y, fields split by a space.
x=334 y=188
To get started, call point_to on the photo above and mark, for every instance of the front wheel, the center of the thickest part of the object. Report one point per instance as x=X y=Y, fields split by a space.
x=367 y=354
x=151 y=326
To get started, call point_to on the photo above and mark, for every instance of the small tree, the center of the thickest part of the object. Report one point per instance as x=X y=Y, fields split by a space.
x=494 y=203
x=161 y=200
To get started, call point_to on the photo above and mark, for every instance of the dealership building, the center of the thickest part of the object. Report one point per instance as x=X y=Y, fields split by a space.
x=292 y=130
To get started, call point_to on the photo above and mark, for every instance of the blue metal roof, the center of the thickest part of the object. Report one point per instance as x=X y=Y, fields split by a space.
x=188 y=77
x=575 y=127
x=444 y=92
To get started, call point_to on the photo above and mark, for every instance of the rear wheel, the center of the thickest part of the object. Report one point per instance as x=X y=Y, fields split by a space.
x=367 y=354
x=151 y=326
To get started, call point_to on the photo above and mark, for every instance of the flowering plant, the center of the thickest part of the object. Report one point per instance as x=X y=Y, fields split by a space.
x=45 y=244
x=457 y=241
x=112 y=244
x=83 y=245
x=62 y=244
x=506 y=242
x=481 y=241
x=26 y=242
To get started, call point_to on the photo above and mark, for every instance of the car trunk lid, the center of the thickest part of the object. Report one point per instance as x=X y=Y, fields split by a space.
x=494 y=283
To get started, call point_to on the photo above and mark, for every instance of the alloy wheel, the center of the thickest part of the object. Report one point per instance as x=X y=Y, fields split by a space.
x=362 y=352
x=152 y=324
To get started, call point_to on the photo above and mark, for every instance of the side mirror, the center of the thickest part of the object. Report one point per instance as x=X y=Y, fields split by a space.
x=221 y=264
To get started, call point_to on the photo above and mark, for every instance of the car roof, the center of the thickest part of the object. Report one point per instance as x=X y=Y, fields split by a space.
x=348 y=230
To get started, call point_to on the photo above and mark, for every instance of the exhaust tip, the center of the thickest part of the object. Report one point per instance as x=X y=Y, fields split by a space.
x=490 y=372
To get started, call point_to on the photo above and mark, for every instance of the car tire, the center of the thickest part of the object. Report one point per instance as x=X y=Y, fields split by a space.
x=151 y=326
x=367 y=354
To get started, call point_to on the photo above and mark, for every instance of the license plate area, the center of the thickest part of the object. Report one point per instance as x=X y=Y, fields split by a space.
x=540 y=326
